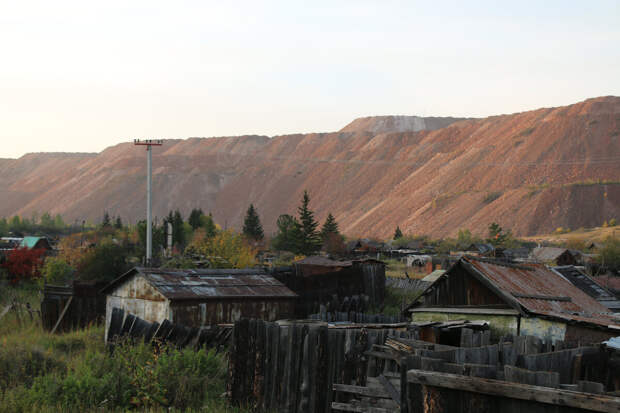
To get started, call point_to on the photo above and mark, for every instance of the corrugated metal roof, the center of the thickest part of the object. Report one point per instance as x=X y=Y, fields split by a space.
x=30 y=242
x=201 y=284
x=323 y=261
x=542 y=291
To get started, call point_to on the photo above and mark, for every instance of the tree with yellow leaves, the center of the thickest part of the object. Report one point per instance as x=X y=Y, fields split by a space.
x=225 y=249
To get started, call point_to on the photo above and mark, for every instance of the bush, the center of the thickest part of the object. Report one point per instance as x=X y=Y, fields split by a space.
x=56 y=271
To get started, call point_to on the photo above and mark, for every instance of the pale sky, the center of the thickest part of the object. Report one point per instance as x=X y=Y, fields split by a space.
x=79 y=76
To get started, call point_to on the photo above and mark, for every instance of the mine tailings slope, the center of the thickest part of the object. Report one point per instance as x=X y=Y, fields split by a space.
x=532 y=172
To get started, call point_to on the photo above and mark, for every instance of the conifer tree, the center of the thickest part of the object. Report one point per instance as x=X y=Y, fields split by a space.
x=311 y=239
x=329 y=227
x=252 y=227
x=118 y=224
x=194 y=218
x=106 y=220
x=178 y=233
x=398 y=233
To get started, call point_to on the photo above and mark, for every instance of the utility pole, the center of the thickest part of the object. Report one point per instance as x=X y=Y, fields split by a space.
x=149 y=143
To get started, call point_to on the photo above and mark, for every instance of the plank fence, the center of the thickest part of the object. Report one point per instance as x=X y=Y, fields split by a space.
x=356 y=317
x=124 y=325
x=65 y=308
x=511 y=376
x=292 y=366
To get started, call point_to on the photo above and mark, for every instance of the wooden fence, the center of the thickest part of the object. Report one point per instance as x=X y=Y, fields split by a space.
x=509 y=376
x=356 y=317
x=126 y=325
x=291 y=367
x=65 y=308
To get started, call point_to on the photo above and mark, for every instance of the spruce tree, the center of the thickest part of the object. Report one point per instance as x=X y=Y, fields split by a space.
x=194 y=218
x=252 y=227
x=311 y=240
x=398 y=233
x=178 y=233
x=329 y=227
x=206 y=221
x=106 y=220
x=118 y=224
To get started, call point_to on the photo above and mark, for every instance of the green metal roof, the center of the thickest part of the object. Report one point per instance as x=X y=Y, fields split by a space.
x=30 y=242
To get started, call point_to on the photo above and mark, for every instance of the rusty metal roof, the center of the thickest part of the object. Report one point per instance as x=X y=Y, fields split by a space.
x=541 y=291
x=203 y=284
x=323 y=261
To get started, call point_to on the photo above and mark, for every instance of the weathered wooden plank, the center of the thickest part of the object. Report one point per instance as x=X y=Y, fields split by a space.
x=362 y=391
x=389 y=388
x=590 y=387
x=62 y=315
x=594 y=402
x=360 y=409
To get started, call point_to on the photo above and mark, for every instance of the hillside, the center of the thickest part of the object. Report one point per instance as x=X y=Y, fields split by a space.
x=531 y=172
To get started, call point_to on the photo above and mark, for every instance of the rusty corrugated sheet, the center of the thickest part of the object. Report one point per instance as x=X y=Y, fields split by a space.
x=537 y=280
x=207 y=284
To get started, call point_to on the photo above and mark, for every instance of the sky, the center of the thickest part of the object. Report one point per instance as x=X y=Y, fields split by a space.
x=79 y=76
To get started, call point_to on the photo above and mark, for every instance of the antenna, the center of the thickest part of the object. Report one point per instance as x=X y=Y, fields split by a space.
x=149 y=183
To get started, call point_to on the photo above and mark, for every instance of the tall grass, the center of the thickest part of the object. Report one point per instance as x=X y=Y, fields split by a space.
x=76 y=372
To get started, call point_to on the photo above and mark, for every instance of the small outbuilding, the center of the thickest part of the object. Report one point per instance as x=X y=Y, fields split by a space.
x=199 y=297
x=555 y=256
x=516 y=299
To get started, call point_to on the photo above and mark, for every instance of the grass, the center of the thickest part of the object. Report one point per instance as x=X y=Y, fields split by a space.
x=581 y=235
x=397 y=299
x=76 y=372
x=396 y=269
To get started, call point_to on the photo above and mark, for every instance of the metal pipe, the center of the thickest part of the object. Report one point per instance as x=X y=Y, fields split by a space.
x=149 y=218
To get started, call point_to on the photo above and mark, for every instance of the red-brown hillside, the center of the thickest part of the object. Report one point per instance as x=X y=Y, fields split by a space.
x=531 y=172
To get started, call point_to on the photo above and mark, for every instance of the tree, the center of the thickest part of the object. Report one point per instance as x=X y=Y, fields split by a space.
x=104 y=262
x=106 y=220
x=224 y=250
x=330 y=226
x=4 y=227
x=252 y=227
x=609 y=254
x=23 y=264
x=289 y=235
x=57 y=271
x=46 y=222
x=118 y=223
x=311 y=240
x=398 y=233
x=178 y=234
x=195 y=218
x=206 y=222
x=612 y=222
x=159 y=236
x=496 y=235
x=59 y=224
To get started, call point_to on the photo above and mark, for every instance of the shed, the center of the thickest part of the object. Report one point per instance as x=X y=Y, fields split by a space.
x=516 y=299
x=589 y=286
x=555 y=256
x=198 y=297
